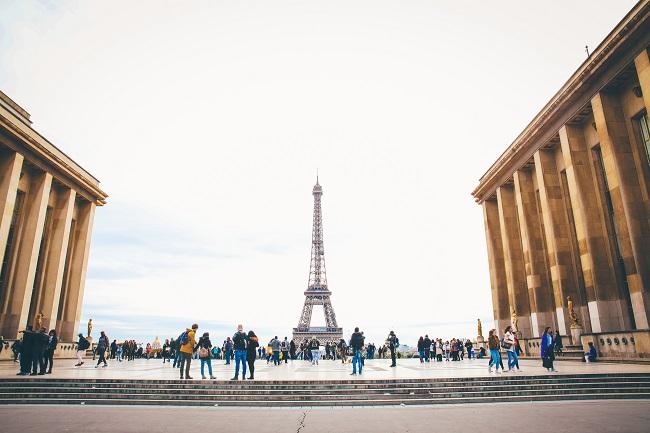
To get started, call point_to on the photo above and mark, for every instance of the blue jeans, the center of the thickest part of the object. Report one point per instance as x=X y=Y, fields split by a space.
x=228 y=355
x=495 y=358
x=513 y=359
x=421 y=353
x=209 y=362
x=276 y=358
x=356 y=360
x=240 y=356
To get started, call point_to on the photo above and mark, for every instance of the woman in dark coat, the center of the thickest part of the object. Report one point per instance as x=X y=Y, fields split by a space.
x=547 y=352
x=251 y=349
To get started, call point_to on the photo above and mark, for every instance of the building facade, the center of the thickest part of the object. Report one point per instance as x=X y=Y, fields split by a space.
x=567 y=205
x=47 y=205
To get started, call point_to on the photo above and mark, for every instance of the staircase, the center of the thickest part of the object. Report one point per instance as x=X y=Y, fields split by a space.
x=502 y=388
x=571 y=352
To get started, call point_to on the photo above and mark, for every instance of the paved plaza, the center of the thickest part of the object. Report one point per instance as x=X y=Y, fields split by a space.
x=326 y=370
x=574 y=417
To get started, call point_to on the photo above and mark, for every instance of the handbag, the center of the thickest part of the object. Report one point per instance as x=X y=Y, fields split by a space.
x=203 y=353
x=506 y=344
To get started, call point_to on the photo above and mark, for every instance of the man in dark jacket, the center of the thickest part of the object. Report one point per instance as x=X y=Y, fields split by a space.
x=393 y=344
x=427 y=348
x=356 y=343
x=26 y=347
x=39 y=344
x=239 y=345
x=102 y=345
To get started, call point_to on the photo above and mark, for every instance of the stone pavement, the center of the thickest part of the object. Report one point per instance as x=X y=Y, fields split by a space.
x=327 y=370
x=575 y=417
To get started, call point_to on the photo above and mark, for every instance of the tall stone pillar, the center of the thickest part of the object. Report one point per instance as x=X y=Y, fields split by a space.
x=540 y=291
x=642 y=64
x=514 y=259
x=78 y=267
x=557 y=232
x=48 y=299
x=16 y=308
x=498 y=283
x=607 y=310
x=624 y=188
x=9 y=177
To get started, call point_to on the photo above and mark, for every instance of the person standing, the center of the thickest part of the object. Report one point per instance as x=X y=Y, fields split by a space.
x=39 y=344
x=239 y=345
x=253 y=344
x=102 y=345
x=343 y=351
x=546 y=349
x=314 y=347
x=227 y=350
x=495 y=355
x=166 y=351
x=421 y=349
x=558 y=346
x=292 y=350
x=356 y=343
x=49 y=351
x=275 y=349
x=113 y=349
x=204 y=346
x=187 y=342
x=285 y=350
x=82 y=346
x=393 y=344
x=427 y=347
x=510 y=344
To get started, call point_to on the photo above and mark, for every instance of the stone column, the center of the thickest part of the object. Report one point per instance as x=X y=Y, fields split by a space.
x=78 y=267
x=514 y=259
x=16 y=311
x=557 y=232
x=607 y=311
x=540 y=291
x=498 y=283
x=53 y=273
x=642 y=64
x=630 y=216
x=9 y=177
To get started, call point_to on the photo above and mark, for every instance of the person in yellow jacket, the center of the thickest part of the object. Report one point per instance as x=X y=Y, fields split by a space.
x=187 y=349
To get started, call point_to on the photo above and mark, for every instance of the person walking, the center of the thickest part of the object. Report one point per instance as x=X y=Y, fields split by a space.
x=187 y=342
x=113 y=349
x=284 y=347
x=239 y=345
x=102 y=345
x=253 y=344
x=356 y=343
x=393 y=344
x=510 y=344
x=275 y=348
x=495 y=355
x=343 y=351
x=204 y=346
x=82 y=346
x=49 y=351
x=546 y=349
x=292 y=349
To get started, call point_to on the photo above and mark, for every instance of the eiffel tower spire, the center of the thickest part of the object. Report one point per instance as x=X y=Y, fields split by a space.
x=317 y=292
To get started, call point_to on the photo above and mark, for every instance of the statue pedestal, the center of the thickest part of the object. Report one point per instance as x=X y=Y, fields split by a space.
x=480 y=342
x=576 y=332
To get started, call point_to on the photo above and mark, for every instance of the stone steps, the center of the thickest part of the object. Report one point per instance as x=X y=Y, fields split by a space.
x=325 y=393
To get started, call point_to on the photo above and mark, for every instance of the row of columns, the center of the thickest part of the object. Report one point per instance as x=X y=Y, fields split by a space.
x=55 y=241
x=552 y=241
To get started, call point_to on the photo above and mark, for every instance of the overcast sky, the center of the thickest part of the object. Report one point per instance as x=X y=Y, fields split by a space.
x=206 y=123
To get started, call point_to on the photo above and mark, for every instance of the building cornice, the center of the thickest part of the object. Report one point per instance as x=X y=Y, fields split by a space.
x=615 y=52
x=47 y=154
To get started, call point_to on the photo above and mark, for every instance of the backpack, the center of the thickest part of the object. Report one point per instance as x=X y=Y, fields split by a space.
x=84 y=344
x=184 y=338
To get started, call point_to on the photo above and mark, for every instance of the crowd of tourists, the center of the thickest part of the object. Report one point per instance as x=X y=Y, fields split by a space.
x=35 y=351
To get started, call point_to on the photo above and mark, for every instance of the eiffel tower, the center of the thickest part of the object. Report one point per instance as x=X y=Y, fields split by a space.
x=317 y=292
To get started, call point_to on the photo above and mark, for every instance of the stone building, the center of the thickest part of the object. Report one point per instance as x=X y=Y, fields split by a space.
x=567 y=205
x=47 y=204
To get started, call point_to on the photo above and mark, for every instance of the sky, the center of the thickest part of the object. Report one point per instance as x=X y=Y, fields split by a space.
x=206 y=122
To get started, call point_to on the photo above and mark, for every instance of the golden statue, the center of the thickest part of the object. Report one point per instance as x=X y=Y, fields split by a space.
x=572 y=314
x=514 y=320
x=90 y=326
x=39 y=321
x=480 y=328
